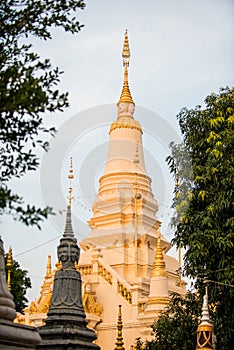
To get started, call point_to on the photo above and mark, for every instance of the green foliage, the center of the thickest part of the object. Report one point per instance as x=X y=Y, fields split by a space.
x=19 y=285
x=28 y=90
x=205 y=226
x=176 y=327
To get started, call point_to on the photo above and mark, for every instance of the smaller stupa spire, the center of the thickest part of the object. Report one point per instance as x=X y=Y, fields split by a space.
x=205 y=310
x=66 y=325
x=119 y=340
x=205 y=328
x=159 y=266
x=68 y=232
x=48 y=267
x=9 y=266
x=126 y=94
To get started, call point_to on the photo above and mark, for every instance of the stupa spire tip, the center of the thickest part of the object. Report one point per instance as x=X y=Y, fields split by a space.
x=119 y=340
x=68 y=232
x=126 y=96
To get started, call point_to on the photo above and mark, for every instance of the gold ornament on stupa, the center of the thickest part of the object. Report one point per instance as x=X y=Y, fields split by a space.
x=119 y=340
x=125 y=105
x=126 y=94
x=159 y=266
x=9 y=266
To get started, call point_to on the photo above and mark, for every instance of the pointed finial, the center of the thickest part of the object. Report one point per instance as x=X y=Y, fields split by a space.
x=126 y=50
x=48 y=267
x=9 y=266
x=68 y=250
x=205 y=328
x=126 y=94
x=70 y=177
x=119 y=340
x=159 y=266
x=205 y=309
x=68 y=232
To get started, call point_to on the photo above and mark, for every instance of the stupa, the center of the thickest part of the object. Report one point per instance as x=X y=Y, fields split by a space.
x=125 y=258
x=66 y=325
x=125 y=255
x=205 y=327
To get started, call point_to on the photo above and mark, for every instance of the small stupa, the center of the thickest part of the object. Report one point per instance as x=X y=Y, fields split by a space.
x=119 y=341
x=66 y=326
x=205 y=328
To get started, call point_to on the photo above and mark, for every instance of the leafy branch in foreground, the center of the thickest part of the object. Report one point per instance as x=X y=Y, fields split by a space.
x=28 y=90
x=176 y=327
x=20 y=282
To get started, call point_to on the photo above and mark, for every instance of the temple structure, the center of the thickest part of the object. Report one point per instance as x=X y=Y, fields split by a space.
x=125 y=257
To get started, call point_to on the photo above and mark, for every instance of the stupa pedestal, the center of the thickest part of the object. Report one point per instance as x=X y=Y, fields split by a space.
x=13 y=336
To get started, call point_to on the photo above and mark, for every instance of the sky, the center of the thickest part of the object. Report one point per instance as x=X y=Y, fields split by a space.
x=181 y=51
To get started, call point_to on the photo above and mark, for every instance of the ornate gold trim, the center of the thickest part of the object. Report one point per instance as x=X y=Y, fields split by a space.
x=129 y=123
x=158 y=300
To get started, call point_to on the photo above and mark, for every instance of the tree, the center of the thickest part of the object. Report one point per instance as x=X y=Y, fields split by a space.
x=176 y=327
x=204 y=203
x=28 y=90
x=20 y=282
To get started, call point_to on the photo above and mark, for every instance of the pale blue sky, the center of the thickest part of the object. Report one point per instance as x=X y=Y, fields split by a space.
x=181 y=51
